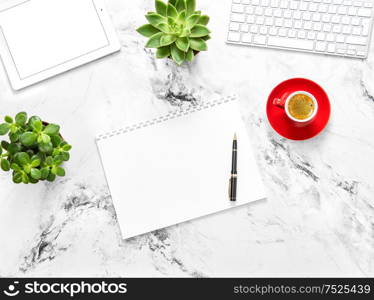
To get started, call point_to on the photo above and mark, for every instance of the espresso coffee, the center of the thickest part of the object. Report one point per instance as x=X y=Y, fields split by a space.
x=301 y=106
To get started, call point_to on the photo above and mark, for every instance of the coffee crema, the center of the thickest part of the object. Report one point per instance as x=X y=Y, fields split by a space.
x=301 y=106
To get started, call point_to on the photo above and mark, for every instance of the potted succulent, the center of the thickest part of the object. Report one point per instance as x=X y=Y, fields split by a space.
x=35 y=150
x=176 y=30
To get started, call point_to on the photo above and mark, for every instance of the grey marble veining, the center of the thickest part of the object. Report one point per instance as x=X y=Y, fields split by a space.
x=318 y=219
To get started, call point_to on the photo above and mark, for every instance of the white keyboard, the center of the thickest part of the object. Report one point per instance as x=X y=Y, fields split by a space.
x=336 y=27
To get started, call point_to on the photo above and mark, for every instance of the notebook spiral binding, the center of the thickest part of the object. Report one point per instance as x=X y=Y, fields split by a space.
x=169 y=116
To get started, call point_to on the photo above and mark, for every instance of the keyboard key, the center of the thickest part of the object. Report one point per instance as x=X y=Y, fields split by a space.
x=311 y=35
x=294 y=43
x=321 y=36
x=356 y=40
x=273 y=31
x=331 y=48
x=330 y=37
x=251 y=19
x=351 y=52
x=259 y=39
x=321 y=46
x=365 y=27
x=356 y=30
x=361 y=53
x=244 y=28
x=364 y=12
x=282 y=32
x=292 y=33
x=254 y=29
x=238 y=18
x=247 y=38
x=301 y=34
x=234 y=36
x=234 y=26
x=340 y=38
x=237 y=8
x=263 y=30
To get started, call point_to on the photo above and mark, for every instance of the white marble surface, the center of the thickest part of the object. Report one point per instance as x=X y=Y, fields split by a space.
x=318 y=219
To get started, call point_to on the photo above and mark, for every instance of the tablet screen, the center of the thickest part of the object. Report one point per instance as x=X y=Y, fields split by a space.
x=43 y=34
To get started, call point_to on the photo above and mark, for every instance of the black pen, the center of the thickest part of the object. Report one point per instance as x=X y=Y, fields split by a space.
x=234 y=171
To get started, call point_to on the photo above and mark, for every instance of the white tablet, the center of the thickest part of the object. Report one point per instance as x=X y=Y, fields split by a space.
x=42 y=38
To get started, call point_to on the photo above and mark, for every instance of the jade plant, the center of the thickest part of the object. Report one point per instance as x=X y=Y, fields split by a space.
x=35 y=150
x=176 y=30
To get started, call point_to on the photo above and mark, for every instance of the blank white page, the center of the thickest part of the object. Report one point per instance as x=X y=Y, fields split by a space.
x=178 y=169
x=42 y=34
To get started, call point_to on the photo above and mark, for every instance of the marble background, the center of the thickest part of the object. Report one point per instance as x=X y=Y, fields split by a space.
x=318 y=219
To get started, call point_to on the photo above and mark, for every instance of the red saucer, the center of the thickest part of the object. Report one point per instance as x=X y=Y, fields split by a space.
x=283 y=125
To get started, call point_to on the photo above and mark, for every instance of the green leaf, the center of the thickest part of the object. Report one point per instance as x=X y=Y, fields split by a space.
x=4 y=128
x=163 y=52
x=51 y=129
x=181 y=17
x=51 y=177
x=198 y=44
x=191 y=6
x=163 y=27
x=190 y=55
x=204 y=20
x=180 y=5
x=172 y=11
x=45 y=138
x=68 y=147
x=1 y=150
x=5 y=165
x=37 y=125
x=56 y=140
x=46 y=148
x=44 y=173
x=154 y=41
x=177 y=55
x=192 y=20
x=147 y=30
x=49 y=161
x=8 y=119
x=206 y=38
x=167 y=39
x=15 y=167
x=22 y=158
x=161 y=7
x=35 y=162
x=17 y=177
x=186 y=32
x=14 y=148
x=4 y=145
x=60 y=171
x=14 y=137
x=155 y=19
x=33 y=119
x=199 y=31
x=35 y=173
x=21 y=118
x=25 y=178
x=183 y=43
x=33 y=181
x=173 y=2
x=65 y=156
x=28 y=138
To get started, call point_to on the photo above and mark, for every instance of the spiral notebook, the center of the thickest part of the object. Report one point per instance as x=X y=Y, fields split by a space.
x=177 y=167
